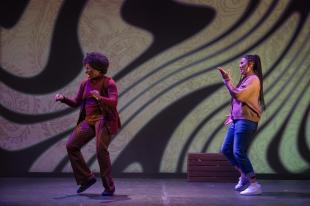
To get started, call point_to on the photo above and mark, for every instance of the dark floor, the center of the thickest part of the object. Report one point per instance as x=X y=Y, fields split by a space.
x=149 y=192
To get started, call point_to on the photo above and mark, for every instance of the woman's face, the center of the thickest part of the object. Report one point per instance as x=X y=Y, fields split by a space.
x=91 y=72
x=244 y=67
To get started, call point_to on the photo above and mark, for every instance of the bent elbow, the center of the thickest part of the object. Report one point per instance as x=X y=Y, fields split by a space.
x=238 y=96
x=114 y=103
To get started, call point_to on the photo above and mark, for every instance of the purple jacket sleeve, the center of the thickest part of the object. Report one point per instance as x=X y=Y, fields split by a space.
x=112 y=95
x=78 y=98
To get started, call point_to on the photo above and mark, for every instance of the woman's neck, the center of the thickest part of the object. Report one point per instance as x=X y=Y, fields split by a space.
x=249 y=74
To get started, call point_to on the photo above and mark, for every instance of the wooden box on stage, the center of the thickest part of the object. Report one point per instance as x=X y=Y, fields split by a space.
x=212 y=167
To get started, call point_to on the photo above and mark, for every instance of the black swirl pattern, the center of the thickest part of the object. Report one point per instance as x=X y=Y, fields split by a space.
x=171 y=97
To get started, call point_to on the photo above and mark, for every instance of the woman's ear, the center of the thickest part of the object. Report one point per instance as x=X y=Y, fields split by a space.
x=251 y=66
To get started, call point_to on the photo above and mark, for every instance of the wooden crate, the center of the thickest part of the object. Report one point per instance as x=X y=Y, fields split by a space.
x=210 y=167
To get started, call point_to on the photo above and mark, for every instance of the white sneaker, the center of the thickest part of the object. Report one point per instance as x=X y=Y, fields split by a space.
x=242 y=184
x=253 y=189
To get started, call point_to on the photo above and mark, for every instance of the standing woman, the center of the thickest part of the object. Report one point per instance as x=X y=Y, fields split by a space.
x=247 y=105
x=97 y=98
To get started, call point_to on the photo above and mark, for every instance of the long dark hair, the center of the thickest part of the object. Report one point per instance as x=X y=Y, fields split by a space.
x=257 y=68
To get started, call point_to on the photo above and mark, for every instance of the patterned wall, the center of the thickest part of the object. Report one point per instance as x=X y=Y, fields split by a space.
x=164 y=56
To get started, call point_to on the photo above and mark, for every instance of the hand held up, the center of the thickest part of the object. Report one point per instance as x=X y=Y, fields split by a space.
x=59 y=97
x=95 y=94
x=225 y=74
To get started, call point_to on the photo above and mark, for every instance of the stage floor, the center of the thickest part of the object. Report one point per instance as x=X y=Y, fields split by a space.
x=148 y=192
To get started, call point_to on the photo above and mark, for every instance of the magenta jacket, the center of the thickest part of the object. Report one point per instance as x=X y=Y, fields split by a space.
x=107 y=101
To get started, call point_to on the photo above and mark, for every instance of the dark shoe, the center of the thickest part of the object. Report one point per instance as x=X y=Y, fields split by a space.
x=85 y=186
x=107 y=193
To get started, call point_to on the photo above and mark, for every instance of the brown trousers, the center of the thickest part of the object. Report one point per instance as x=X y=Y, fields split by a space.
x=80 y=136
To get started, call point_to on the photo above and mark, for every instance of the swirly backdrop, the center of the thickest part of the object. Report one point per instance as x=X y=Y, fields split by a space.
x=164 y=55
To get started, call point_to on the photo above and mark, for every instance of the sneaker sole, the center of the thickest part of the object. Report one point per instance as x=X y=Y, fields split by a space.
x=251 y=194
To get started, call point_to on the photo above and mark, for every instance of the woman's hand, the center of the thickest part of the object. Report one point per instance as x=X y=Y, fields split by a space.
x=225 y=74
x=228 y=120
x=59 y=97
x=95 y=94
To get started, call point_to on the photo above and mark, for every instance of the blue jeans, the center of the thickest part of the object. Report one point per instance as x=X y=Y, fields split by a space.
x=236 y=142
